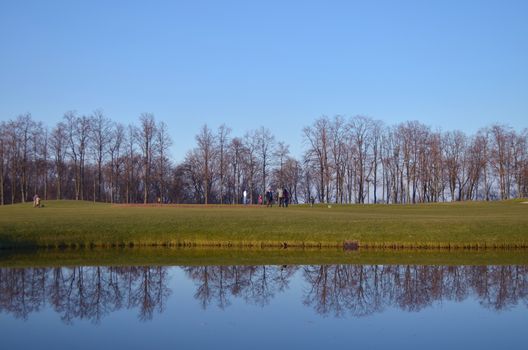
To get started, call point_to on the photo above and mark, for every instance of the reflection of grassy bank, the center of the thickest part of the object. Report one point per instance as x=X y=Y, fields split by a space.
x=84 y=224
x=270 y=256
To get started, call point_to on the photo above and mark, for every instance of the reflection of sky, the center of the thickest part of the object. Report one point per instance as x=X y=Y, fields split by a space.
x=284 y=323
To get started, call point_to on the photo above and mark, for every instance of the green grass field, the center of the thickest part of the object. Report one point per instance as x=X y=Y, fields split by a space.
x=432 y=226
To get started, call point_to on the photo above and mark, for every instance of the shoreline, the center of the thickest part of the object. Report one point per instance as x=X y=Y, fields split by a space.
x=166 y=256
x=346 y=246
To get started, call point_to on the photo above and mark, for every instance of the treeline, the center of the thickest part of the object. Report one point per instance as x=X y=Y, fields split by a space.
x=345 y=160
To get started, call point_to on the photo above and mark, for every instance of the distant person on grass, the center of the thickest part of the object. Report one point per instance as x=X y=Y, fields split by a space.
x=269 y=198
x=260 y=199
x=36 y=201
x=286 y=198
x=280 y=195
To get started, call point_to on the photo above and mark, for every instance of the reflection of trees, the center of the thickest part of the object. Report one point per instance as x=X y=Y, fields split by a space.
x=151 y=291
x=93 y=292
x=255 y=284
x=84 y=292
x=341 y=288
x=20 y=291
x=363 y=290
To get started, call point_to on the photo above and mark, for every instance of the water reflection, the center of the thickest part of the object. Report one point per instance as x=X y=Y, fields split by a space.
x=90 y=293
x=83 y=292
x=255 y=284
x=363 y=290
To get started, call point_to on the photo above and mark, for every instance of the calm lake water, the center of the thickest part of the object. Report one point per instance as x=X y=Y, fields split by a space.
x=265 y=307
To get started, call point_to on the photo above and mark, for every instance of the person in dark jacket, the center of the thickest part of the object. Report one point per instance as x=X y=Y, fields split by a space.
x=269 y=198
x=286 y=197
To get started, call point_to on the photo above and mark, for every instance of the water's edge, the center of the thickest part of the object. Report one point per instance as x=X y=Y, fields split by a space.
x=170 y=256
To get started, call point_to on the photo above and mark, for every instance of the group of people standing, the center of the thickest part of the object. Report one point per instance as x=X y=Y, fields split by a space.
x=282 y=195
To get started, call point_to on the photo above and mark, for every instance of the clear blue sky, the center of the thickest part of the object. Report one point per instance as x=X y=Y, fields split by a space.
x=449 y=64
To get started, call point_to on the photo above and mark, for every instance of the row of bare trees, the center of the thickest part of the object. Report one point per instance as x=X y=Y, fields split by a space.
x=84 y=158
x=360 y=160
x=346 y=160
x=220 y=168
x=90 y=293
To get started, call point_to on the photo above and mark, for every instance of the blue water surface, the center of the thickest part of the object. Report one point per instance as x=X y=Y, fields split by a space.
x=265 y=307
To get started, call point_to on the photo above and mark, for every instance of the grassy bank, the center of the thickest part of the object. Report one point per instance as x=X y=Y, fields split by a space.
x=431 y=226
x=164 y=256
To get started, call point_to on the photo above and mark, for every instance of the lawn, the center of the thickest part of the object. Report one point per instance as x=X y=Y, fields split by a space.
x=441 y=225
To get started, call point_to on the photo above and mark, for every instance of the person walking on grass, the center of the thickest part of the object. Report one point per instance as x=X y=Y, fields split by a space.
x=280 y=195
x=260 y=199
x=286 y=197
x=269 y=198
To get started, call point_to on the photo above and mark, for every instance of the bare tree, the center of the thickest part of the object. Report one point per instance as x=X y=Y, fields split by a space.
x=236 y=152
x=59 y=142
x=251 y=149
x=222 y=144
x=476 y=162
x=193 y=178
x=377 y=130
x=317 y=138
x=291 y=177
x=4 y=156
x=145 y=136
x=455 y=143
x=281 y=153
x=117 y=140
x=25 y=128
x=338 y=145
x=130 y=164
x=502 y=157
x=206 y=150
x=163 y=143
x=265 y=151
x=100 y=138
x=78 y=131
x=520 y=160
x=359 y=129
x=41 y=162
